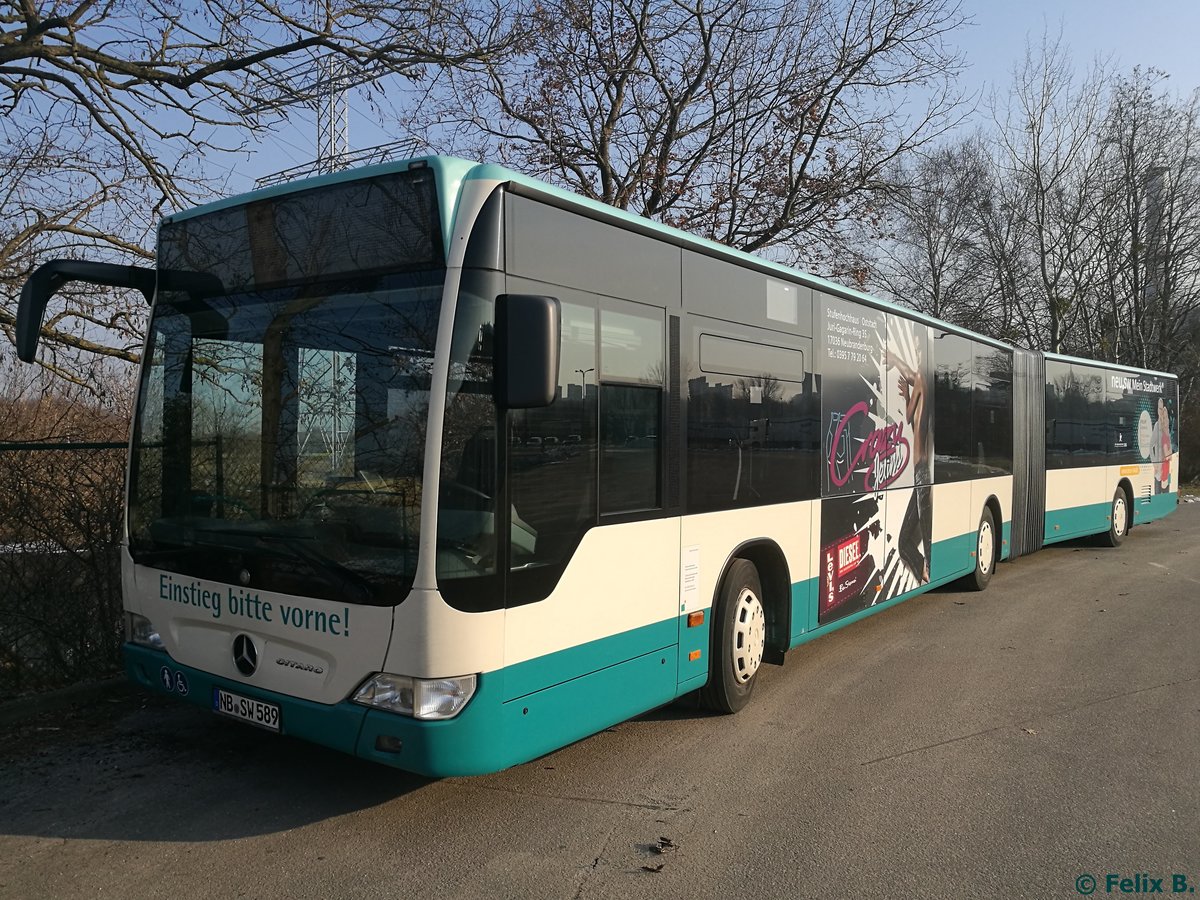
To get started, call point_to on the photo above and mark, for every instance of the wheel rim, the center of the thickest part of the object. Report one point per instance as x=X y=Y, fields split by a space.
x=1120 y=515
x=986 y=547
x=749 y=635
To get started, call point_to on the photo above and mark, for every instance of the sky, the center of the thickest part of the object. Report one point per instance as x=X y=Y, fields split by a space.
x=1149 y=33
x=1158 y=33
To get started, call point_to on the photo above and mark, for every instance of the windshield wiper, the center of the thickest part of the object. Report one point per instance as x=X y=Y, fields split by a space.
x=342 y=576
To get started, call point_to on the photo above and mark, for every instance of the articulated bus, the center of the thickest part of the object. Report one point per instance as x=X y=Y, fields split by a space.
x=444 y=467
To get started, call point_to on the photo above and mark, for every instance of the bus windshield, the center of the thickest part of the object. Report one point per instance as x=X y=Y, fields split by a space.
x=280 y=432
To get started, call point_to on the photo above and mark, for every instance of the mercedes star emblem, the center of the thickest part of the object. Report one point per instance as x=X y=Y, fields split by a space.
x=245 y=655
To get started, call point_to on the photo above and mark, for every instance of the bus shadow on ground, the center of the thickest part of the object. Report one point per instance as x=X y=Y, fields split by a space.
x=162 y=772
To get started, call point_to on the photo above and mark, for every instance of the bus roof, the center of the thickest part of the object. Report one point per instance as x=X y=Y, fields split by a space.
x=540 y=189
x=1120 y=367
x=452 y=171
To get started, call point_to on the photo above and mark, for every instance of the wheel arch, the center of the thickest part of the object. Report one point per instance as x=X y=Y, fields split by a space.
x=1127 y=486
x=993 y=503
x=775 y=577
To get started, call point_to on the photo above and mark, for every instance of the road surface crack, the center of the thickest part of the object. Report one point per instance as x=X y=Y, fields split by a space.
x=660 y=807
x=587 y=872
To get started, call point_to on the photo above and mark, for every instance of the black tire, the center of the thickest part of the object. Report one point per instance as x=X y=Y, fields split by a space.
x=985 y=553
x=1118 y=520
x=738 y=640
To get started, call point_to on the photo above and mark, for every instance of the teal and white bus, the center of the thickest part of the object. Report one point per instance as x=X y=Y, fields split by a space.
x=444 y=467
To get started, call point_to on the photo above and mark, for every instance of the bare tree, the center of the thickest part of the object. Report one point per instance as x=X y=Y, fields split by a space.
x=759 y=126
x=1047 y=154
x=62 y=194
x=113 y=111
x=1074 y=226
x=934 y=256
x=1147 y=226
x=170 y=71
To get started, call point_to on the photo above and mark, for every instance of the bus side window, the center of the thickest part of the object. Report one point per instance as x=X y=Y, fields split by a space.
x=1060 y=421
x=992 y=411
x=631 y=402
x=1092 y=441
x=552 y=461
x=753 y=422
x=953 y=419
x=630 y=460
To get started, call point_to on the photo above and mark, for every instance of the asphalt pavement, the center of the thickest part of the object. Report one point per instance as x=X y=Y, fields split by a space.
x=1010 y=743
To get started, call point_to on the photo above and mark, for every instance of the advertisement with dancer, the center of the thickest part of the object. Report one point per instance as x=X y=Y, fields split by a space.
x=877 y=414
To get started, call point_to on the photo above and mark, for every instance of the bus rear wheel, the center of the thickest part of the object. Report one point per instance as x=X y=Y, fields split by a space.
x=739 y=640
x=985 y=552
x=1118 y=520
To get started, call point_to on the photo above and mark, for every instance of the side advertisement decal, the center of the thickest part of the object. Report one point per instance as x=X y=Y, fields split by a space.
x=1156 y=423
x=877 y=411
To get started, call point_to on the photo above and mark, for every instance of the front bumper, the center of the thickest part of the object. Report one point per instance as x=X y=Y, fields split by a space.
x=470 y=744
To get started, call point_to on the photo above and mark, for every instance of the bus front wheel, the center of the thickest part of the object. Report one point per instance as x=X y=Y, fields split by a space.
x=739 y=640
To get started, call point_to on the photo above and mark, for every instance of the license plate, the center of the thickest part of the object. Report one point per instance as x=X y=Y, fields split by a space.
x=256 y=712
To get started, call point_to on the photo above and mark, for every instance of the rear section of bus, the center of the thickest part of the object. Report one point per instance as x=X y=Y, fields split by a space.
x=1112 y=447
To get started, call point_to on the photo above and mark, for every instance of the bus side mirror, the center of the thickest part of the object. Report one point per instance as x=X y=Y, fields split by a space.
x=48 y=278
x=527 y=340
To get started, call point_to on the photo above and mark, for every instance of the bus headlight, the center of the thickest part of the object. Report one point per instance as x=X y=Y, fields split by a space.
x=421 y=698
x=141 y=631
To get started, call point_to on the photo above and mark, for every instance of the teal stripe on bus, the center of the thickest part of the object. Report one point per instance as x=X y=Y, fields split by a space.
x=1148 y=509
x=1093 y=518
x=1077 y=521
x=952 y=559
x=572 y=662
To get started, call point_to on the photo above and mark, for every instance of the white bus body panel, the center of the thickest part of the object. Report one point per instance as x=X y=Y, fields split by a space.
x=321 y=651
x=1000 y=487
x=1069 y=488
x=619 y=578
x=433 y=640
x=955 y=511
x=792 y=526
